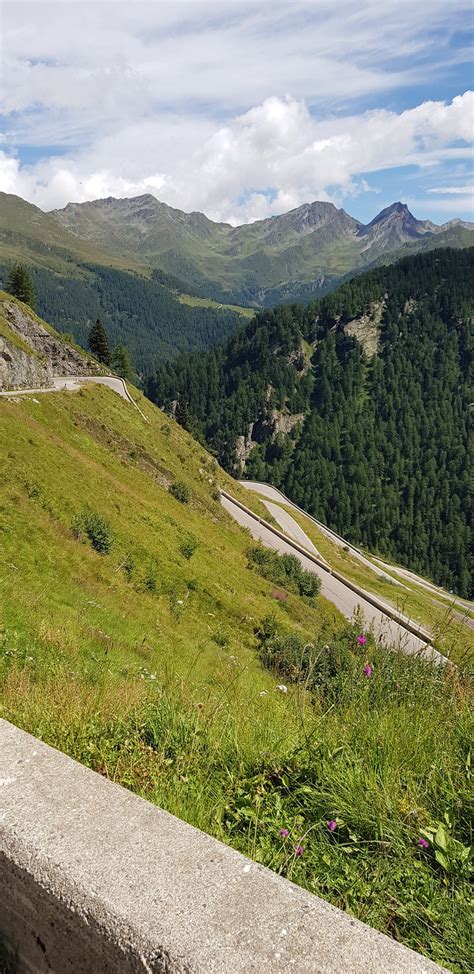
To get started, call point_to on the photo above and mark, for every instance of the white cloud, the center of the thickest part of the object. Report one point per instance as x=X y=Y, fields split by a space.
x=189 y=100
x=466 y=190
x=227 y=170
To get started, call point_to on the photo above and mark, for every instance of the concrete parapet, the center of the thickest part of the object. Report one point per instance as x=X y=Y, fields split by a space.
x=96 y=880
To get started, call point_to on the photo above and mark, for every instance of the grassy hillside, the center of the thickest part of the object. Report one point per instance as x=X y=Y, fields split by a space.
x=155 y=658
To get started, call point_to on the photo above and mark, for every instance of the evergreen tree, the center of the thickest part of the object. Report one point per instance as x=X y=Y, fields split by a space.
x=20 y=285
x=122 y=362
x=378 y=443
x=181 y=414
x=99 y=343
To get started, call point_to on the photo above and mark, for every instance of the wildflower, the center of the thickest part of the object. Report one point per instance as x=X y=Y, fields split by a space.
x=362 y=639
x=299 y=850
x=263 y=693
x=368 y=670
x=282 y=688
x=284 y=833
x=331 y=825
x=423 y=843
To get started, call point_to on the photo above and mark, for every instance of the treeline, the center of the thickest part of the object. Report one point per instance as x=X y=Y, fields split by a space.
x=382 y=455
x=141 y=314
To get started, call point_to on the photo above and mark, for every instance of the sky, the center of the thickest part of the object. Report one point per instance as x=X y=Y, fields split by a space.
x=240 y=109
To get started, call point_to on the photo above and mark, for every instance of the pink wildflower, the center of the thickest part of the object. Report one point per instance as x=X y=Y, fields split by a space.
x=362 y=639
x=368 y=670
x=331 y=825
x=299 y=850
x=284 y=833
x=423 y=843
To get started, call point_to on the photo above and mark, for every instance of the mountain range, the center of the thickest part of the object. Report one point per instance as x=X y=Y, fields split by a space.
x=260 y=263
x=295 y=256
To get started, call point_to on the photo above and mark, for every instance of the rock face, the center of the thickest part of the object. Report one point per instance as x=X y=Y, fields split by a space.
x=367 y=328
x=259 y=432
x=30 y=355
x=19 y=370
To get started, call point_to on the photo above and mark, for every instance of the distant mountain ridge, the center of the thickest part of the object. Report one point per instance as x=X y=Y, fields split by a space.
x=77 y=281
x=315 y=244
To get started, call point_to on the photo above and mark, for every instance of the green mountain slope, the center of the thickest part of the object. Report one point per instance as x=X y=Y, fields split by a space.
x=357 y=406
x=76 y=282
x=313 y=245
x=136 y=636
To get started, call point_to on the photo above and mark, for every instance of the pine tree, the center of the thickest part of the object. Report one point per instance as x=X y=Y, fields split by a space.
x=122 y=362
x=99 y=343
x=182 y=414
x=20 y=285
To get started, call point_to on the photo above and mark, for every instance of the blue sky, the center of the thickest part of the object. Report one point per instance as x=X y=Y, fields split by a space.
x=241 y=109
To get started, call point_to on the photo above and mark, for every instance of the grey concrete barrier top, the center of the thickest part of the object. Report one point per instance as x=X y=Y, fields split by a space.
x=97 y=880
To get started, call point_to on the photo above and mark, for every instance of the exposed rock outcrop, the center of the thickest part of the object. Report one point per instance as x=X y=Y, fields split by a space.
x=19 y=370
x=367 y=328
x=261 y=431
x=30 y=354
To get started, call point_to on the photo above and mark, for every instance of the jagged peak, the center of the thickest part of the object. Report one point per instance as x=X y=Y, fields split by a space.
x=395 y=209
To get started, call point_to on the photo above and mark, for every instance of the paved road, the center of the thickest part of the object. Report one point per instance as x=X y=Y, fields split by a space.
x=73 y=383
x=275 y=495
x=435 y=589
x=387 y=630
x=290 y=527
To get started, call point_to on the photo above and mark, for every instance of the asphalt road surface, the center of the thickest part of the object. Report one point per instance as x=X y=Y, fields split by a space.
x=387 y=630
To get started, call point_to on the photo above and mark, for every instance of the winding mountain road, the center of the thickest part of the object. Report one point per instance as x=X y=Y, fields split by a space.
x=391 y=627
x=72 y=383
x=267 y=491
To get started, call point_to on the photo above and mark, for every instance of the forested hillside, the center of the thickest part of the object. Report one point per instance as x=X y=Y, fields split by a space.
x=144 y=315
x=369 y=433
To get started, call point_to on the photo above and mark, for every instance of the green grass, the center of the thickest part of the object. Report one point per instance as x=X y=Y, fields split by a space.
x=196 y=302
x=141 y=658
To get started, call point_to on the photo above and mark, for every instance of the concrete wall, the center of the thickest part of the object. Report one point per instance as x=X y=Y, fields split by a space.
x=95 y=879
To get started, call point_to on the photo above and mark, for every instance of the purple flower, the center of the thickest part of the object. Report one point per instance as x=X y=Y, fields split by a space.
x=362 y=639
x=423 y=843
x=284 y=833
x=368 y=670
x=331 y=825
x=299 y=850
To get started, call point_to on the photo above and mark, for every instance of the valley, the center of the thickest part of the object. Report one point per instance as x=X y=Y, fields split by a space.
x=252 y=691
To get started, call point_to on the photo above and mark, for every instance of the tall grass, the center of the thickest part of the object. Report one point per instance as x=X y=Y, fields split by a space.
x=369 y=765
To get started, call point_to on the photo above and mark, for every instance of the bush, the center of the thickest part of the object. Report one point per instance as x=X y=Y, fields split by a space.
x=188 y=547
x=180 y=491
x=284 y=570
x=89 y=526
x=221 y=637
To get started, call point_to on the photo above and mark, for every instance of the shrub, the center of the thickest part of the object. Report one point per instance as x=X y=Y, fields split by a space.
x=188 y=547
x=221 y=637
x=284 y=570
x=89 y=526
x=180 y=491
